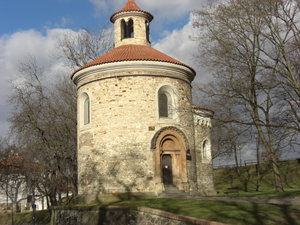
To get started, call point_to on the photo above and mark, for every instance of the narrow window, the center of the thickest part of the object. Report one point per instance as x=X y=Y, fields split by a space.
x=204 y=149
x=86 y=109
x=130 y=29
x=123 y=29
x=163 y=105
x=127 y=29
x=147 y=31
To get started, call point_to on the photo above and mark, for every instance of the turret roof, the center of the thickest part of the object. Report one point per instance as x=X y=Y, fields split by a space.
x=130 y=6
x=133 y=53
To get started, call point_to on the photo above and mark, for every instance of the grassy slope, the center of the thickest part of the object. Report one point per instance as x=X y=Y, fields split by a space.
x=290 y=171
x=227 y=212
x=236 y=213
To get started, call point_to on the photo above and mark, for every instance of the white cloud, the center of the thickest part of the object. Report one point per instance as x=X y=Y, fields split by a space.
x=180 y=45
x=18 y=47
x=163 y=8
x=246 y=155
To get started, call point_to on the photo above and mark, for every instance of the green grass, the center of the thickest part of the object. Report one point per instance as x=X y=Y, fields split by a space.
x=288 y=193
x=227 y=177
x=42 y=217
x=236 y=213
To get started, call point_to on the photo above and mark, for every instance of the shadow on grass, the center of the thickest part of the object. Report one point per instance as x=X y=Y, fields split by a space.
x=235 y=213
x=288 y=217
x=239 y=213
x=254 y=214
x=288 y=193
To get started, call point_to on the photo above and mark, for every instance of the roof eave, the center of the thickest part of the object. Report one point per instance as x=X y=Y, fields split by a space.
x=117 y=14
x=85 y=67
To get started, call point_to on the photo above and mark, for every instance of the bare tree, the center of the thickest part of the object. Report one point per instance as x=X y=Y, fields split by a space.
x=229 y=139
x=240 y=37
x=84 y=46
x=280 y=56
x=44 y=123
x=12 y=176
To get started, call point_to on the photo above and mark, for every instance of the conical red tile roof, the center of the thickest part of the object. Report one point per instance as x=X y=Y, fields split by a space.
x=130 y=6
x=133 y=53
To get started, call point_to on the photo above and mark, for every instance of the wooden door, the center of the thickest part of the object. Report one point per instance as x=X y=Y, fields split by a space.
x=167 y=170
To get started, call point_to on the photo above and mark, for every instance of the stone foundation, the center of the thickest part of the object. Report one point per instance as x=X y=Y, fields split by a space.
x=122 y=216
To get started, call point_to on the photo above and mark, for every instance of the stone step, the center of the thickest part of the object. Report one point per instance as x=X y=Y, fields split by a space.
x=173 y=195
x=172 y=191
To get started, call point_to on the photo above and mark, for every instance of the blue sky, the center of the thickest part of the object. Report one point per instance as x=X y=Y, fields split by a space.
x=20 y=15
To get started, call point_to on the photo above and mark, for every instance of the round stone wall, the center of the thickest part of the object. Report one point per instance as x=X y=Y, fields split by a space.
x=114 y=148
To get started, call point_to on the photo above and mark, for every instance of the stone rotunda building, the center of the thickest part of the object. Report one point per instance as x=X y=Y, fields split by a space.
x=138 y=131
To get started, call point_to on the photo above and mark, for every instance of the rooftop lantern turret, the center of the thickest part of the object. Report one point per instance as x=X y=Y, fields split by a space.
x=131 y=25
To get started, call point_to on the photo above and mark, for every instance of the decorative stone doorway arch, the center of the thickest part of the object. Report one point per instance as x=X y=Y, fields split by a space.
x=169 y=150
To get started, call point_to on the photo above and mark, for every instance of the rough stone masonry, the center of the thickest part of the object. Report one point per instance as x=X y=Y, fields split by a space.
x=138 y=131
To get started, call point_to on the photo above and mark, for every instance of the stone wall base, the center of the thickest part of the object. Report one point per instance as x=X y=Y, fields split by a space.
x=121 y=216
x=112 y=197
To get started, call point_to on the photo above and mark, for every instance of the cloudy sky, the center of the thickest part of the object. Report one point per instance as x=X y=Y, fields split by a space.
x=31 y=28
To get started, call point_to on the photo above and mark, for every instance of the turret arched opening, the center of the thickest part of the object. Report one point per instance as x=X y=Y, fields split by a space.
x=131 y=25
x=130 y=29
x=123 y=29
x=127 y=29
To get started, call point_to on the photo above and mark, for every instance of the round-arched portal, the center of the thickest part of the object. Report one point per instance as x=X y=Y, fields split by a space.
x=170 y=147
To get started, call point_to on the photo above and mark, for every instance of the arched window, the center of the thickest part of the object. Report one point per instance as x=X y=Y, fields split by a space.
x=123 y=29
x=206 y=151
x=163 y=105
x=166 y=102
x=127 y=29
x=86 y=109
x=130 y=29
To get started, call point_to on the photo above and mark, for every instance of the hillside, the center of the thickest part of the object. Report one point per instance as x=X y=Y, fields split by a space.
x=228 y=182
